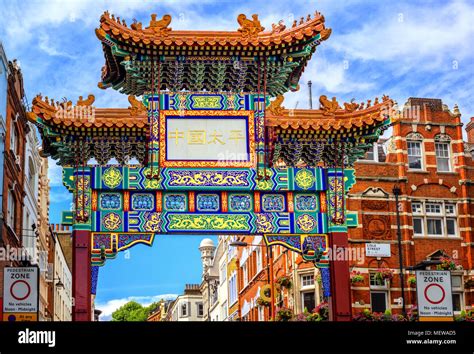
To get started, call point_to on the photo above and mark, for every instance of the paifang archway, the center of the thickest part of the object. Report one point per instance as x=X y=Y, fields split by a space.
x=216 y=154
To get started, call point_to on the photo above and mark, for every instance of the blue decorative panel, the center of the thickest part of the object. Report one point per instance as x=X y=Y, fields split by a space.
x=240 y=202
x=305 y=202
x=207 y=202
x=143 y=201
x=175 y=202
x=326 y=281
x=110 y=201
x=273 y=202
x=94 y=278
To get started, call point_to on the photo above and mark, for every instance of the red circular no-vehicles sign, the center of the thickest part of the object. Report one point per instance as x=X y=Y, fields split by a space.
x=20 y=290
x=434 y=294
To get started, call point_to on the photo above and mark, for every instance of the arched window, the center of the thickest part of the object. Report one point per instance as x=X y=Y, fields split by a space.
x=31 y=174
x=443 y=152
x=415 y=151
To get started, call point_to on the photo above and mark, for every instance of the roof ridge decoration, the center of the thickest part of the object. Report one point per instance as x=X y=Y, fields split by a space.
x=249 y=28
x=86 y=102
x=137 y=107
x=330 y=115
x=132 y=51
x=65 y=114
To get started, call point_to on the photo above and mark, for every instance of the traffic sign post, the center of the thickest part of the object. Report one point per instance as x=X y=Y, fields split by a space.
x=20 y=294
x=435 y=300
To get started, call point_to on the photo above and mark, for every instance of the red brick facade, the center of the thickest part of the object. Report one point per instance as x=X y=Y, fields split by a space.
x=438 y=185
x=436 y=194
x=13 y=182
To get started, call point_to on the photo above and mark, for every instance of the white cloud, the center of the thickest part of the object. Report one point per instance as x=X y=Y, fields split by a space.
x=411 y=34
x=55 y=173
x=45 y=45
x=110 y=306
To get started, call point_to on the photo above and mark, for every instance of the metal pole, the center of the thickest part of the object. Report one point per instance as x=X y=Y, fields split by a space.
x=400 y=255
x=310 y=95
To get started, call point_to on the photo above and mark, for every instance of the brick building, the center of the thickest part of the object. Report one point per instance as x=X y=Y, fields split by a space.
x=427 y=160
x=254 y=274
x=11 y=222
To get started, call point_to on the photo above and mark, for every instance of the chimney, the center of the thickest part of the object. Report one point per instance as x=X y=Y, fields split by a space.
x=470 y=131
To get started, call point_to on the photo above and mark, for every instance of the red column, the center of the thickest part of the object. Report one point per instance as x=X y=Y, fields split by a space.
x=81 y=276
x=340 y=302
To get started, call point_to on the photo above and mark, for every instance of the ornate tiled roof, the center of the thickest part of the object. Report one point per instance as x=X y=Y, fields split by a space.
x=141 y=59
x=330 y=116
x=66 y=115
x=250 y=33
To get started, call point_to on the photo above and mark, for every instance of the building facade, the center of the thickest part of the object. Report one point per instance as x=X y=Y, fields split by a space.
x=11 y=221
x=62 y=274
x=31 y=189
x=45 y=245
x=4 y=74
x=187 y=307
x=426 y=161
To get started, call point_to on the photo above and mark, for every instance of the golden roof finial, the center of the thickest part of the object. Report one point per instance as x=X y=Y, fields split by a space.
x=160 y=26
x=351 y=107
x=86 y=102
x=327 y=106
x=249 y=28
x=136 y=106
x=275 y=106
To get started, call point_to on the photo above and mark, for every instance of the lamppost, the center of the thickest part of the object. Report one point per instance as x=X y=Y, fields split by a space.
x=269 y=272
x=396 y=192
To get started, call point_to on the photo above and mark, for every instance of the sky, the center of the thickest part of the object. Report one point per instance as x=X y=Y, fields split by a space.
x=407 y=48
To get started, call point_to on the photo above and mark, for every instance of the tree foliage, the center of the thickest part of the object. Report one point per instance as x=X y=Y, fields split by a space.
x=132 y=311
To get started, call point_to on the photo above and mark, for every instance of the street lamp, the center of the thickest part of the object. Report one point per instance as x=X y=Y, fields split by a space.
x=396 y=192
x=269 y=272
x=59 y=284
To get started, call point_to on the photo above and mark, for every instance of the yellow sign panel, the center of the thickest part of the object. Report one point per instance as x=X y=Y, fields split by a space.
x=20 y=317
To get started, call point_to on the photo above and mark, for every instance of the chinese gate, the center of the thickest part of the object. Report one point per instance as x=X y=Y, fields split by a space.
x=215 y=154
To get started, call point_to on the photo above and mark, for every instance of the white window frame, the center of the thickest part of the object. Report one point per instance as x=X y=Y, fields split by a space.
x=447 y=211
x=305 y=284
x=384 y=292
x=258 y=255
x=11 y=209
x=379 y=288
x=447 y=158
x=184 y=309
x=459 y=290
x=223 y=275
x=233 y=288
x=420 y=156
x=302 y=293
x=245 y=274
x=13 y=137
x=200 y=309
x=261 y=313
